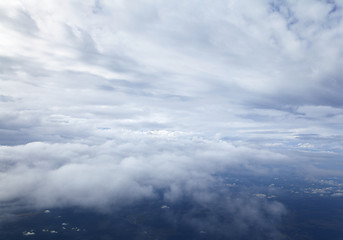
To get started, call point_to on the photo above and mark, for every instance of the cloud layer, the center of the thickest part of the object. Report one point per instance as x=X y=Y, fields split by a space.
x=107 y=102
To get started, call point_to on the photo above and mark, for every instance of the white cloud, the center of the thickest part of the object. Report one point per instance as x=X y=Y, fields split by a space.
x=117 y=171
x=156 y=94
x=337 y=195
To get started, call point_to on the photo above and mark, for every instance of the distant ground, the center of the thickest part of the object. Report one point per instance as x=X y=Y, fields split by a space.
x=314 y=210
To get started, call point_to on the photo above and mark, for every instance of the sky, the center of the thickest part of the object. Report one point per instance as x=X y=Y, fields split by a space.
x=118 y=99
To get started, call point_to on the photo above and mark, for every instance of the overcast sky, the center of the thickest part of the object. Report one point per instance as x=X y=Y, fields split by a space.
x=120 y=98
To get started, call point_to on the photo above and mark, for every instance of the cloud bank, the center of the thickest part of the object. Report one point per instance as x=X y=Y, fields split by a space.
x=119 y=171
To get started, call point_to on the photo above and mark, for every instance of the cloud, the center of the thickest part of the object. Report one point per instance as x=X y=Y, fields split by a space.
x=233 y=218
x=117 y=171
x=337 y=195
x=121 y=99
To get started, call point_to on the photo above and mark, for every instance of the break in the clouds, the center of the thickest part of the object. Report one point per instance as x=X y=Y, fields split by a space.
x=119 y=99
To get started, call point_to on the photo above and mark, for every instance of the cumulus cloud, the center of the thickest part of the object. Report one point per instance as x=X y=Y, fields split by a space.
x=117 y=171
